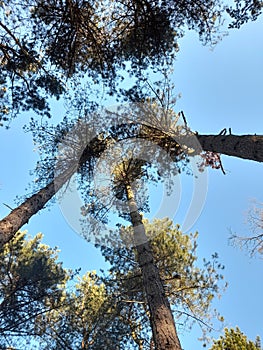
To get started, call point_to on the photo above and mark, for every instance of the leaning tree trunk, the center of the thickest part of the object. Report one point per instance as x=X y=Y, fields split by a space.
x=32 y=205
x=161 y=318
x=21 y=215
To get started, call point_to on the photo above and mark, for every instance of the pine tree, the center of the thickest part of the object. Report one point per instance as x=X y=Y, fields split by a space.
x=234 y=339
x=31 y=282
x=161 y=318
x=189 y=288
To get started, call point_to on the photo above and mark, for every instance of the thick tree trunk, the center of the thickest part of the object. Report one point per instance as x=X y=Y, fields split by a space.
x=241 y=146
x=32 y=205
x=20 y=216
x=161 y=318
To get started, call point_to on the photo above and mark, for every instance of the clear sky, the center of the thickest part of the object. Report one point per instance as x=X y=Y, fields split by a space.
x=220 y=88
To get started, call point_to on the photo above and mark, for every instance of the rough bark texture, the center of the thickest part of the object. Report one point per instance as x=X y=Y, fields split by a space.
x=21 y=215
x=161 y=318
x=241 y=146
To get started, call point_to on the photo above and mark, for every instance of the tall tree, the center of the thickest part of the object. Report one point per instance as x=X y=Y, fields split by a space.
x=112 y=310
x=189 y=288
x=123 y=172
x=95 y=311
x=161 y=317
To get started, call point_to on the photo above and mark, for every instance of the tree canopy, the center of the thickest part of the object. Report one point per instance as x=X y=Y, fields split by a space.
x=189 y=287
x=234 y=339
x=40 y=303
x=45 y=43
x=31 y=283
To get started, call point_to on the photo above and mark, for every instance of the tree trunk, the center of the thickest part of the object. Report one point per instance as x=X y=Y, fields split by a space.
x=32 y=205
x=161 y=318
x=241 y=146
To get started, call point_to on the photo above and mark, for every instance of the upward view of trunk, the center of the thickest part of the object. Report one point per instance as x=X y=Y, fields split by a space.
x=32 y=205
x=21 y=215
x=244 y=146
x=161 y=318
x=241 y=146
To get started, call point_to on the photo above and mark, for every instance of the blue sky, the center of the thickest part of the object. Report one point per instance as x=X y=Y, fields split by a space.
x=219 y=88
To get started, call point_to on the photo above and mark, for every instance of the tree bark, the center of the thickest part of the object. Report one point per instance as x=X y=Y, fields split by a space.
x=32 y=205
x=240 y=146
x=20 y=216
x=161 y=318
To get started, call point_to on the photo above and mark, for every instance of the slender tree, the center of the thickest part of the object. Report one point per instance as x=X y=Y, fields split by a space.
x=189 y=288
x=161 y=317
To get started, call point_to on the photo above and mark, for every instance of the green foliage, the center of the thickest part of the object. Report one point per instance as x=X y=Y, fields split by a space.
x=45 y=43
x=101 y=36
x=189 y=287
x=112 y=310
x=90 y=318
x=38 y=307
x=31 y=282
x=234 y=339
